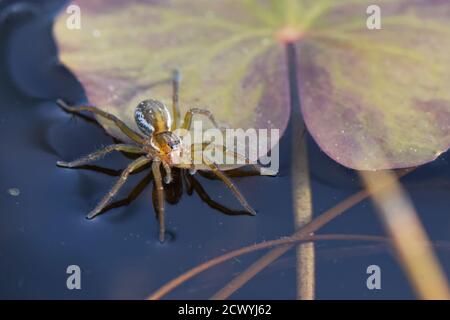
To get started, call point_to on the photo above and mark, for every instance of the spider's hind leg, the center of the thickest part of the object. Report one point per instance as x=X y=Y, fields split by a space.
x=156 y=165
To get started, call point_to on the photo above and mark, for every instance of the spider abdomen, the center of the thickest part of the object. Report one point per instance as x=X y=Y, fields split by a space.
x=152 y=116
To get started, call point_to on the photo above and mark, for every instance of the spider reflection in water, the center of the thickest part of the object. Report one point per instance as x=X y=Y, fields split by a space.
x=159 y=146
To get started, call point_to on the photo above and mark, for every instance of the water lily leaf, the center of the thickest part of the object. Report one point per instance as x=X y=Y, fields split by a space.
x=372 y=99
x=376 y=99
x=225 y=52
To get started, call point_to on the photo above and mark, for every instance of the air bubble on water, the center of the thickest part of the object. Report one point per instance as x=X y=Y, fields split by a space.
x=14 y=192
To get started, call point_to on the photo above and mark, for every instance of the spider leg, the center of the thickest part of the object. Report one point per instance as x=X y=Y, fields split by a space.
x=174 y=191
x=176 y=79
x=99 y=154
x=256 y=168
x=133 y=195
x=168 y=176
x=119 y=123
x=210 y=202
x=215 y=169
x=136 y=164
x=156 y=165
x=190 y=114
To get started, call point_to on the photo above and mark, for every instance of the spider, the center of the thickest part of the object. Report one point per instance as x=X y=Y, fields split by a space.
x=156 y=144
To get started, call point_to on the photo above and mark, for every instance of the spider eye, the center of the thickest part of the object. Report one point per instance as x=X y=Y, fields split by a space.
x=174 y=143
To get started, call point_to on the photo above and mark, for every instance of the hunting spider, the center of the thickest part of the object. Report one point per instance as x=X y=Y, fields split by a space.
x=156 y=144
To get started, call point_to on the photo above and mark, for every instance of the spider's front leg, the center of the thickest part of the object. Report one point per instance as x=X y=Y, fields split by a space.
x=156 y=167
x=176 y=79
x=256 y=169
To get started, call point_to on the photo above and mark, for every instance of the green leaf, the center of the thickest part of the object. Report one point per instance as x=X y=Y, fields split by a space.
x=372 y=99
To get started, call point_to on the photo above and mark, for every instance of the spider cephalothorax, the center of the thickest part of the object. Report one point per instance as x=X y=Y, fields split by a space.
x=155 y=122
x=158 y=144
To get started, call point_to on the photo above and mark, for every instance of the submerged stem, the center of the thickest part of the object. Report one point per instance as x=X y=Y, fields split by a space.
x=301 y=187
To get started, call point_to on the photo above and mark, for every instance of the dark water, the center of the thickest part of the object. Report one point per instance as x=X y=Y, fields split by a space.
x=43 y=229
